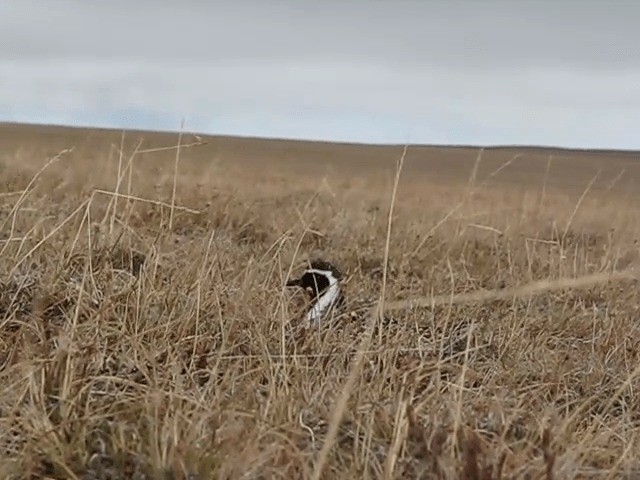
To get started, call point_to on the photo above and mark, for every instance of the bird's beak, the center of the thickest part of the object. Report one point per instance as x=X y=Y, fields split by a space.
x=293 y=282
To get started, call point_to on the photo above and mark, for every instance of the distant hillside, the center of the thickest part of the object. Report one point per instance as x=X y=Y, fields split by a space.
x=569 y=168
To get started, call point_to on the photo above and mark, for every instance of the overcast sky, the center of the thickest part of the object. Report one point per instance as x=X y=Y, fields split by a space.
x=555 y=72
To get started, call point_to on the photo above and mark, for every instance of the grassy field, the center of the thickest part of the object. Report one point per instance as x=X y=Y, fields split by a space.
x=145 y=331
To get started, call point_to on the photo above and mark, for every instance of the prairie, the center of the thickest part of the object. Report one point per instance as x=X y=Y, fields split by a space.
x=145 y=330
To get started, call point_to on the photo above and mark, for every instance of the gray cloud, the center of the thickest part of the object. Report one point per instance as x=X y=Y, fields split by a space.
x=451 y=32
x=465 y=72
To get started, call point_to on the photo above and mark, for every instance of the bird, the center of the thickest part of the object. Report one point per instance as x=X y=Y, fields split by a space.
x=347 y=319
x=323 y=283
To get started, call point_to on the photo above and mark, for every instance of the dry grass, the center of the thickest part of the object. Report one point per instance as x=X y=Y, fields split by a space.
x=146 y=332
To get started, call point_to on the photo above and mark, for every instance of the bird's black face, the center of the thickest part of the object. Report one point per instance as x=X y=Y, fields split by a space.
x=316 y=279
x=313 y=282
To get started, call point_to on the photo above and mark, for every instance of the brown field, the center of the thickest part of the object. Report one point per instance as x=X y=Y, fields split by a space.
x=145 y=330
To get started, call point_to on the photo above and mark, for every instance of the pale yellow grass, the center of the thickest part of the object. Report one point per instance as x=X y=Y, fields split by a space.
x=191 y=365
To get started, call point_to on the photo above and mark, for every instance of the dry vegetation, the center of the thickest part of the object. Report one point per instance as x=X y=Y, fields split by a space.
x=141 y=340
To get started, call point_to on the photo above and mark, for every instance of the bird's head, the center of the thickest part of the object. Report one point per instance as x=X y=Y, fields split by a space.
x=321 y=280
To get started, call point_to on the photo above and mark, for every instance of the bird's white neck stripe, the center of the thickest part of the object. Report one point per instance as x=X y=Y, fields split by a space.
x=325 y=300
x=324 y=273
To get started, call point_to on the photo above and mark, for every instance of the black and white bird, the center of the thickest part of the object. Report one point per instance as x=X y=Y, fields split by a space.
x=323 y=283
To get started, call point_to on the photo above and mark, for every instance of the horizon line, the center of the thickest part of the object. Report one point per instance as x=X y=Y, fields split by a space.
x=177 y=131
